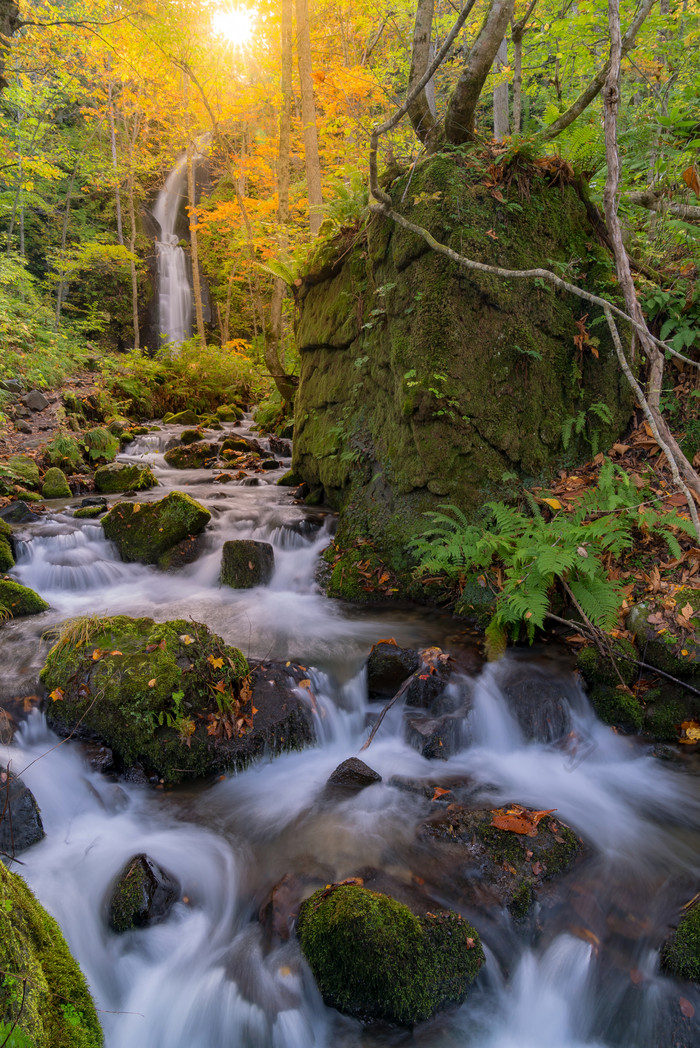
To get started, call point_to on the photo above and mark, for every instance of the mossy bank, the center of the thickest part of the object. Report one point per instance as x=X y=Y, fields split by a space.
x=423 y=383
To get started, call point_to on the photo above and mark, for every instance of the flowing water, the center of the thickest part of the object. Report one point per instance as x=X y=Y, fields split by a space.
x=585 y=973
x=174 y=287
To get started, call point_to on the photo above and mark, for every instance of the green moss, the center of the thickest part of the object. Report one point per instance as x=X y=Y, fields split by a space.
x=120 y=477
x=613 y=670
x=665 y=712
x=53 y=1007
x=141 y=694
x=20 y=600
x=26 y=469
x=55 y=484
x=374 y=959
x=615 y=706
x=246 y=563
x=289 y=479
x=184 y=418
x=189 y=436
x=144 y=531
x=681 y=952
x=229 y=413
x=192 y=456
x=7 y=559
x=523 y=898
x=355 y=574
x=89 y=512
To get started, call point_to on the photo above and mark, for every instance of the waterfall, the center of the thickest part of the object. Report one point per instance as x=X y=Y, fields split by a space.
x=174 y=288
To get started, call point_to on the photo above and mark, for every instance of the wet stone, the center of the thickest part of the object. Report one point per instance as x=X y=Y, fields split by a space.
x=246 y=563
x=354 y=774
x=435 y=738
x=388 y=666
x=22 y=427
x=100 y=758
x=280 y=447
x=144 y=895
x=278 y=912
x=17 y=513
x=541 y=707
x=20 y=819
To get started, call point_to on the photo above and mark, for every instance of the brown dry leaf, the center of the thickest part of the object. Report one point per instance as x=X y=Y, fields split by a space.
x=439 y=792
x=152 y=682
x=537 y=868
x=470 y=943
x=116 y=653
x=690 y=177
x=220 y=686
x=136 y=507
x=687 y=611
x=305 y=683
x=519 y=820
x=585 y=933
x=686 y=1007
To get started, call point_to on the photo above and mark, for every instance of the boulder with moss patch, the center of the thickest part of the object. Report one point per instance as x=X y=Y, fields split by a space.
x=374 y=959
x=665 y=643
x=246 y=563
x=7 y=558
x=20 y=818
x=617 y=707
x=200 y=455
x=55 y=485
x=183 y=418
x=229 y=413
x=173 y=697
x=45 y=995
x=143 y=895
x=26 y=470
x=145 y=531
x=118 y=476
x=17 y=600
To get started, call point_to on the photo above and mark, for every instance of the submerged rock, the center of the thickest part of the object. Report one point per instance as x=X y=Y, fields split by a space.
x=173 y=697
x=374 y=959
x=55 y=485
x=32 y=946
x=118 y=476
x=145 y=531
x=540 y=705
x=246 y=563
x=16 y=600
x=143 y=895
x=20 y=818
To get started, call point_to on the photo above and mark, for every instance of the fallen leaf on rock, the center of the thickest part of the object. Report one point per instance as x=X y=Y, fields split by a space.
x=56 y=695
x=517 y=819
x=690 y=732
x=537 y=868
x=439 y=792
x=553 y=503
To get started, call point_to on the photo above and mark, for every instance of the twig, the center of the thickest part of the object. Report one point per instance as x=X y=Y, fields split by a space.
x=402 y=691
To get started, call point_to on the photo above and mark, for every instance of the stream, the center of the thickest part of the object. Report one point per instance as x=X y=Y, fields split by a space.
x=585 y=973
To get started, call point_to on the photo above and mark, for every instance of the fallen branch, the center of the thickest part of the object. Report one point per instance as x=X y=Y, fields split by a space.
x=375 y=728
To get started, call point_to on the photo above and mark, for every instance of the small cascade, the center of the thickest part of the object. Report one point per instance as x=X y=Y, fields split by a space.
x=174 y=288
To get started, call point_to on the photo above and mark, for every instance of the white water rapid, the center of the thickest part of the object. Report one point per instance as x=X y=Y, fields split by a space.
x=584 y=974
x=174 y=287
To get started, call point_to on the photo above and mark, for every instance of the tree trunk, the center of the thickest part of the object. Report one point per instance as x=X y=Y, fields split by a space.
x=132 y=237
x=9 y=24
x=517 y=32
x=501 y=120
x=194 y=248
x=419 y=111
x=308 y=115
x=459 y=121
x=117 y=188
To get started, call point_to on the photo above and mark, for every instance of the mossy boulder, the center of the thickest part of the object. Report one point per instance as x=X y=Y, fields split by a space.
x=192 y=456
x=374 y=959
x=358 y=573
x=172 y=697
x=290 y=479
x=89 y=512
x=229 y=413
x=55 y=485
x=423 y=383
x=66 y=453
x=245 y=444
x=246 y=563
x=190 y=436
x=617 y=707
x=7 y=558
x=17 y=600
x=665 y=643
x=617 y=668
x=183 y=418
x=44 y=991
x=118 y=476
x=143 y=895
x=26 y=469
x=681 y=951
x=20 y=818
x=145 y=531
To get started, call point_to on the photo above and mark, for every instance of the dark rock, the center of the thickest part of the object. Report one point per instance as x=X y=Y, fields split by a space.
x=435 y=738
x=269 y=464
x=17 y=513
x=8 y=726
x=144 y=532
x=118 y=476
x=388 y=666
x=35 y=401
x=143 y=895
x=246 y=563
x=354 y=774
x=22 y=427
x=100 y=758
x=11 y=385
x=280 y=447
x=20 y=819
x=374 y=959
x=94 y=500
x=302 y=492
x=430 y=680
x=247 y=444
x=540 y=705
x=185 y=552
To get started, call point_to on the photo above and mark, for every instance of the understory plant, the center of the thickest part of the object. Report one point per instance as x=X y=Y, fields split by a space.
x=528 y=558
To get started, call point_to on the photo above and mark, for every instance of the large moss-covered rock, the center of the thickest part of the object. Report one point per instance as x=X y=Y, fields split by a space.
x=246 y=563
x=145 y=531
x=16 y=600
x=53 y=1007
x=55 y=485
x=171 y=696
x=374 y=959
x=26 y=469
x=192 y=456
x=423 y=383
x=182 y=418
x=118 y=476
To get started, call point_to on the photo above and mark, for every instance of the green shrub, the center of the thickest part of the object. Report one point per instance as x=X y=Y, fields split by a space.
x=101 y=445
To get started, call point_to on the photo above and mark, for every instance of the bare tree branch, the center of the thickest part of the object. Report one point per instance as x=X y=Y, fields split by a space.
x=657 y=201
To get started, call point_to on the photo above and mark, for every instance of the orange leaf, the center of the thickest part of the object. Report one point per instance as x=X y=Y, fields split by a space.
x=439 y=792
x=306 y=683
x=690 y=177
x=97 y=654
x=216 y=663
x=57 y=695
x=686 y=1007
x=220 y=686
x=152 y=682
